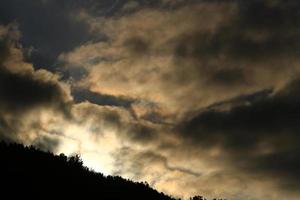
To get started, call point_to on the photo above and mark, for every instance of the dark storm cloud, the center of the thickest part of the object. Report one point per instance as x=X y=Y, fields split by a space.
x=81 y=95
x=241 y=100
x=258 y=30
x=283 y=166
x=5 y=130
x=155 y=118
x=229 y=76
x=141 y=133
x=4 y=50
x=130 y=6
x=261 y=136
x=277 y=22
x=20 y=92
x=137 y=45
x=50 y=27
x=185 y=54
x=24 y=90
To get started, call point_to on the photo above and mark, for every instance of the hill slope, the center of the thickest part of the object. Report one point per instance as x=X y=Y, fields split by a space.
x=33 y=174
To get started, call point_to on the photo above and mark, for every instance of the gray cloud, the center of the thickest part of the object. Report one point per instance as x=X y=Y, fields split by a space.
x=140 y=160
x=45 y=33
x=81 y=95
x=20 y=92
x=258 y=31
x=126 y=126
x=46 y=143
x=25 y=91
x=192 y=96
x=221 y=73
x=260 y=136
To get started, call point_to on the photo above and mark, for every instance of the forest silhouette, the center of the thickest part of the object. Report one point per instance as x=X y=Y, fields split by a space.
x=29 y=173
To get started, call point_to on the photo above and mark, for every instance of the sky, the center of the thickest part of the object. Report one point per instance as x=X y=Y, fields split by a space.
x=196 y=97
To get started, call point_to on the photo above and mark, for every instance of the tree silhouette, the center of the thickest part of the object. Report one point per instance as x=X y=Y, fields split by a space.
x=202 y=198
x=197 y=198
x=28 y=173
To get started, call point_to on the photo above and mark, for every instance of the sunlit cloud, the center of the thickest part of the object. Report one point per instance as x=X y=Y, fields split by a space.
x=194 y=97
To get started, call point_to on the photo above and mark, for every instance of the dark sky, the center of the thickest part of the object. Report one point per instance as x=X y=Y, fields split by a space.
x=192 y=96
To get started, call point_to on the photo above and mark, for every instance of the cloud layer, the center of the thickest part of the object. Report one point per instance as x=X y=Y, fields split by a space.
x=195 y=97
x=25 y=91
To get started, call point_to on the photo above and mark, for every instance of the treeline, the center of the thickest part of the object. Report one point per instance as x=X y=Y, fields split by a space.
x=203 y=198
x=29 y=173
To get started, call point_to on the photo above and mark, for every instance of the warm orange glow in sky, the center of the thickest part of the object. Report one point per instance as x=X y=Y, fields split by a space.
x=194 y=97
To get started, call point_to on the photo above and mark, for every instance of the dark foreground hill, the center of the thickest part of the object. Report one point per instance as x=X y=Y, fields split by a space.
x=28 y=173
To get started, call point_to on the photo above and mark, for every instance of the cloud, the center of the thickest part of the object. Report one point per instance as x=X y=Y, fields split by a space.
x=143 y=160
x=81 y=95
x=119 y=120
x=177 y=52
x=195 y=97
x=259 y=137
x=20 y=92
x=46 y=143
x=45 y=35
x=144 y=60
x=26 y=92
x=212 y=84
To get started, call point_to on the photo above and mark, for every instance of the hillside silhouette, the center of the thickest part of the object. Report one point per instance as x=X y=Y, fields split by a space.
x=29 y=173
